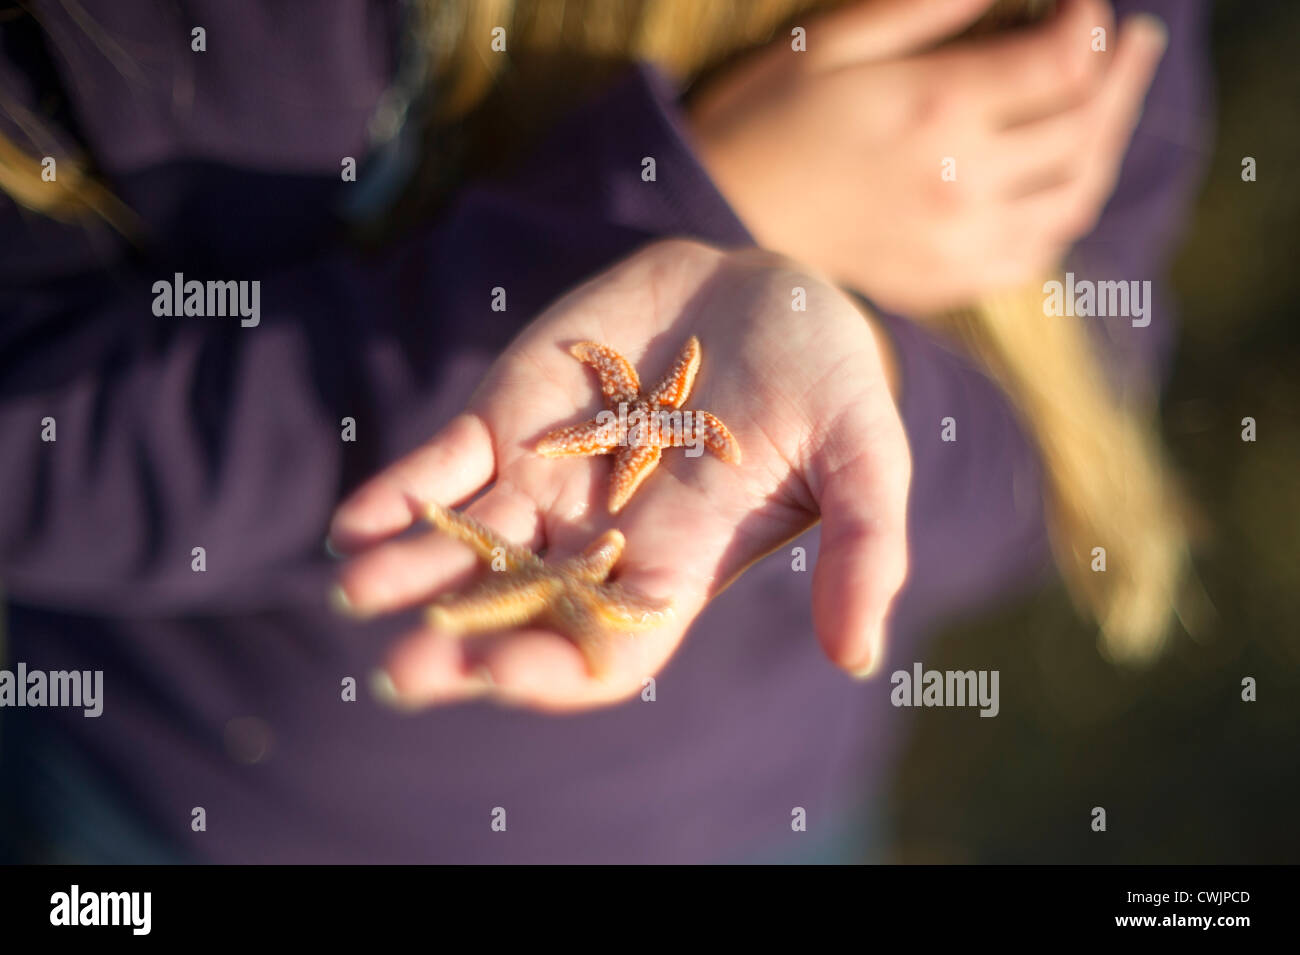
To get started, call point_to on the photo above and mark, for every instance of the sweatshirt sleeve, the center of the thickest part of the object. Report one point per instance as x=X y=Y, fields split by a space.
x=151 y=464
x=144 y=458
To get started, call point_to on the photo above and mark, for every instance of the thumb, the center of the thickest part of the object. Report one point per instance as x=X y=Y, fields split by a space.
x=868 y=30
x=862 y=561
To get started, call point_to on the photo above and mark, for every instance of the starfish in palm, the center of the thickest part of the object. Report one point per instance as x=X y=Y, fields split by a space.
x=636 y=427
x=574 y=596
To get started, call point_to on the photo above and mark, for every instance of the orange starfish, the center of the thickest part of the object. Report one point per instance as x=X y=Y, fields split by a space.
x=637 y=427
x=573 y=596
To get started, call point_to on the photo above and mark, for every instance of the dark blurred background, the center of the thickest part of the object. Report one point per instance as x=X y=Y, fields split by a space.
x=1186 y=771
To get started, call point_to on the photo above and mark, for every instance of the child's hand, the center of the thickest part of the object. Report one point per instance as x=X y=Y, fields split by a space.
x=804 y=393
x=835 y=156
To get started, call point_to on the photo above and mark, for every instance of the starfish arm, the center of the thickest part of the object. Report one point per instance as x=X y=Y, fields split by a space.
x=675 y=386
x=487 y=543
x=594 y=616
x=620 y=608
x=617 y=376
x=716 y=437
x=493 y=605
x=598 y=559
x=574 y=615
x=632 y=465
x=571 y=596
x=586 y=438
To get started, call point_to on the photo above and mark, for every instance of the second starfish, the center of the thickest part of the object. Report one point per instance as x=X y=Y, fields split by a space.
x=637 y=427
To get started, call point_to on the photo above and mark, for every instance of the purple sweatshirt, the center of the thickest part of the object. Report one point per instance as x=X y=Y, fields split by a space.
x=222 y=689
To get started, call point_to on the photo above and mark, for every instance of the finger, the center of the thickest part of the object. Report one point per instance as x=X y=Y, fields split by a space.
x=861 y=566
x=1033 y=72
x=539 y=669
x=404 y=573
x=862 y=560
x=1043 y=154
x=1062 y=201
x=531 y=667
x=873 y=30
x=427 y=668
x=547 y=671
x=1141 y=45
x=1055 y=216
x=450 y=468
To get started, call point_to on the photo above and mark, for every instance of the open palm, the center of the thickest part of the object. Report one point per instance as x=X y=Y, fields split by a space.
x=804 y=393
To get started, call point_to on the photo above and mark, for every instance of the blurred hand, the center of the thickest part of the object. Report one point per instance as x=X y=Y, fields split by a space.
x=834 y=156
x=806 y=396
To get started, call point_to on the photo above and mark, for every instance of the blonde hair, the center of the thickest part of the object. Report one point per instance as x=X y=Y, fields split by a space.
x=72 y=195
x=1108 y=485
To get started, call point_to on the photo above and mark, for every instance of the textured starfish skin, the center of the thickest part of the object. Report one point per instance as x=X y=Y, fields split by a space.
x=645 y=423
x=573 y=596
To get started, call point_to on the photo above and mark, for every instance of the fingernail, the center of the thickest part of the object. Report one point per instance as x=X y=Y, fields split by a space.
x=339 y=602
x=384 y=691
x=330 y=551
x=1156 y=26
x=870 y=665
x=868 y=671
